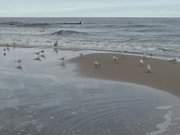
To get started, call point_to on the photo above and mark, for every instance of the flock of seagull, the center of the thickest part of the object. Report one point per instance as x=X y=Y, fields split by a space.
x=39 y=55
x=148 y=67
x=115 y=59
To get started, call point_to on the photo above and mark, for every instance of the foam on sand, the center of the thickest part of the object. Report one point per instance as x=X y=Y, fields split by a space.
x=163 y=127
x=167 y=107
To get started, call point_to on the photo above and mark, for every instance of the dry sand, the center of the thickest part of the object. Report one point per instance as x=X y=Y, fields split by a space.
x=165 y=75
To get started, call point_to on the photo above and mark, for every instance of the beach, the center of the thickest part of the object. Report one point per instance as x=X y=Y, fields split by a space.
x=49 y=96
x=165 y=75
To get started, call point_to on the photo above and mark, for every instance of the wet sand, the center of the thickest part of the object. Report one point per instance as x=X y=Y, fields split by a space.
x=165 y=74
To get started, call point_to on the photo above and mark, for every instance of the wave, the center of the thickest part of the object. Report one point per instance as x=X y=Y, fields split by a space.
x=68 y=32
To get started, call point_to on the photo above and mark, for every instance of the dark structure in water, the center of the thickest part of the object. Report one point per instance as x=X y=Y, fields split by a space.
x=77 y=23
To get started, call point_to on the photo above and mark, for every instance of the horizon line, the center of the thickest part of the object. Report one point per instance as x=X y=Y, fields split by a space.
x=90 y=17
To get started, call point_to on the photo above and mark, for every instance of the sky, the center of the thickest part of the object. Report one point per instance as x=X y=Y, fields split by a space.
x=89 y=8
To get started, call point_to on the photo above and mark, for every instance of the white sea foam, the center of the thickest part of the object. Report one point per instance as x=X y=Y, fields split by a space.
x=167 y=107
x=162 y=127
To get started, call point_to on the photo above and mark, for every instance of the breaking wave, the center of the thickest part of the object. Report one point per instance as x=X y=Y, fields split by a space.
x=68 y=32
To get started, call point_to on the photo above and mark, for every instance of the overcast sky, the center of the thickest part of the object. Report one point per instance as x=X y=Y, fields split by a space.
x=90 y=8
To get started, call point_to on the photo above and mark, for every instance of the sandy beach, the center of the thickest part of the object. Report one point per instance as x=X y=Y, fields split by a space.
x=165 y=75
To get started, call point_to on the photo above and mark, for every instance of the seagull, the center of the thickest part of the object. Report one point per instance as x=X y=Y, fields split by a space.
x=148 y=68
x=141 y=62
x=96 y=64
x=173 y=60
x=115 y=59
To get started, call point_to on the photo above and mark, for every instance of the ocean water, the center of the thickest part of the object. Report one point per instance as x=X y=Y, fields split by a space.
x=156 y=36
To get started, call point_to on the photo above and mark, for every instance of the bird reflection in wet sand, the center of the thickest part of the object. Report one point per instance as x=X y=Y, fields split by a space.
x=14 y=45
x=55 y=47
x=56 y=50
x=42 y=55
x=4 y=54
x=63 y=64
x=7 y=47
x=56 y=44
x=37 y=58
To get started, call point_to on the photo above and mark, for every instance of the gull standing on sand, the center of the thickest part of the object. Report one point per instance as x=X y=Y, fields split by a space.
x=148 y=68
x=97 y=64
x=174 y=60
x=115 y=59
x=141 y=62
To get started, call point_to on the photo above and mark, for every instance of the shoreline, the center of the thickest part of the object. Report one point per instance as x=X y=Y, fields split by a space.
x=131 y=53
x=165 y=75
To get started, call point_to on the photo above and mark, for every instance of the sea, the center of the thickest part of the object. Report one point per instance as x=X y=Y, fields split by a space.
x=155 y=36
